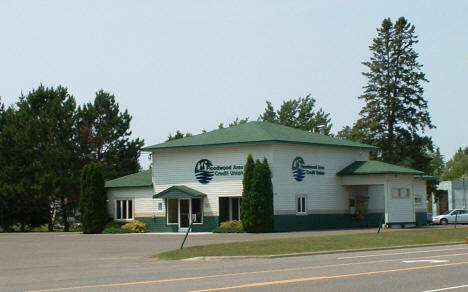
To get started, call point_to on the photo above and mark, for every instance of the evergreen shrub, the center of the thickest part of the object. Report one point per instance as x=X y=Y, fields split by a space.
x=93 y=204
x=257 y=197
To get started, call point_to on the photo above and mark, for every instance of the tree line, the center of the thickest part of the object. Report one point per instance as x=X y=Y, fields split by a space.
x=45 y=140
x=395 y=114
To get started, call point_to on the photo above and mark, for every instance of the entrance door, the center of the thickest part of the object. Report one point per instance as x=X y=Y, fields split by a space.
x=184 y=211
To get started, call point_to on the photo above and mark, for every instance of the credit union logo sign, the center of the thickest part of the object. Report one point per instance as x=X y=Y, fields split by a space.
x=300 y=169
x=205 y=170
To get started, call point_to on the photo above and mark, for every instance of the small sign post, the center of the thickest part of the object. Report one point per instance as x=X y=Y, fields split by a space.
x=194 y=218
x=381 y=222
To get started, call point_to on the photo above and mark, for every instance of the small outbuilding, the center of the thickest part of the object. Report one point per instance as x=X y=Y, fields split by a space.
x=319 y=182
x=448 y=196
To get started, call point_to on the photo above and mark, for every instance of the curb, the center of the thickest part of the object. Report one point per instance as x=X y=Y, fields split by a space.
x=215 y=258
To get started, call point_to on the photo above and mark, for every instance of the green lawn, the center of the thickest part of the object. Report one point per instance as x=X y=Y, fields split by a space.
x=320 y=243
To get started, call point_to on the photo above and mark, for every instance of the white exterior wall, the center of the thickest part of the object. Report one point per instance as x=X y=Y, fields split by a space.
x=457 y=193
x=401 y=209
x=376 y=202
x=380 y=195
x=177 y=167
x=325 y=193
x=420 y=191
x=143 y=200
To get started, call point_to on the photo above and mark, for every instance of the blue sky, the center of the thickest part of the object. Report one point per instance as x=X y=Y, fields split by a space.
x=190 y=65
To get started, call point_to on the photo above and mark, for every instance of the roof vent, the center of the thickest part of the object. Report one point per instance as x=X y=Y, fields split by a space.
x=321 y=129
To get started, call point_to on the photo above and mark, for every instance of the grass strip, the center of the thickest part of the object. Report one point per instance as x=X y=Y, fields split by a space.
x=319 y=243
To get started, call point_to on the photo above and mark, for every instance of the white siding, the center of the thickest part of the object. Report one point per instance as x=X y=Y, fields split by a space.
x=177 y=167
x=143 y=200
x=400 y=209
x=376 y=199
x=325 y=193
x=420 y=191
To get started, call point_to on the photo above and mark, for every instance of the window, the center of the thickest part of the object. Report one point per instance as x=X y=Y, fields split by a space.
x=301 y=208
x=123 y=209
x=197 y=213
x=187 y=208
x=400 y=193
x=404 y=193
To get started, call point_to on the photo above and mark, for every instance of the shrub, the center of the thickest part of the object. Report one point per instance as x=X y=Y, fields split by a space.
x=228 y=230
x=111 y=230
x=93 y=203
x=231 y=224
x=136 y=226
x=246 y=212
x=113 y=224
x=230 y=227
x=257 y=197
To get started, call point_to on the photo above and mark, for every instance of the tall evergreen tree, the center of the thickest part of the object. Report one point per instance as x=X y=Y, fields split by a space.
x=36 y=153
x=93 y=204
x=395 y=111
x=298 y=113
x=246 y=192
x=50 y=114
x=104 y=136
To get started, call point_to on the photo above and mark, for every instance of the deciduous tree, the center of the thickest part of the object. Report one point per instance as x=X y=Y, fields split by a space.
x=457 y=167
x=178 y=135
x=298 y=113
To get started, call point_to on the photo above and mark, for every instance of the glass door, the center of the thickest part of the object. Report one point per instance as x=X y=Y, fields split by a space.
x=184 y=211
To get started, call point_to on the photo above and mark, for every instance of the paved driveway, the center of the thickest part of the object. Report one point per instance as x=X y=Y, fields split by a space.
x=29 y=249
x=31 y=261
x=22 y=250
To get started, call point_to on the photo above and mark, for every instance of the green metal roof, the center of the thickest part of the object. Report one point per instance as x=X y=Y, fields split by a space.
x=376 y=167
x=139 y=179
x=257 y=132
x=426 y=177
x=179 y=192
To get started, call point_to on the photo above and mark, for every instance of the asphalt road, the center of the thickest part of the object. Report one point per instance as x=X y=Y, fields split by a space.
x=76 y=262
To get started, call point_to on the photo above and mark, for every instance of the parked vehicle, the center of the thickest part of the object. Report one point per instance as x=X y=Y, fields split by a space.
x=460 y=215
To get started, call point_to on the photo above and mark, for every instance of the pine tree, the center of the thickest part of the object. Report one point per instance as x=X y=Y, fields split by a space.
x=93 y=199
x=395 y=111
x=104 y=136
x=246 y=192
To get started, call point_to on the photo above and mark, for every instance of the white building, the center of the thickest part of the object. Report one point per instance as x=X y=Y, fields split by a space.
x=450 y=195
x=319 y=182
